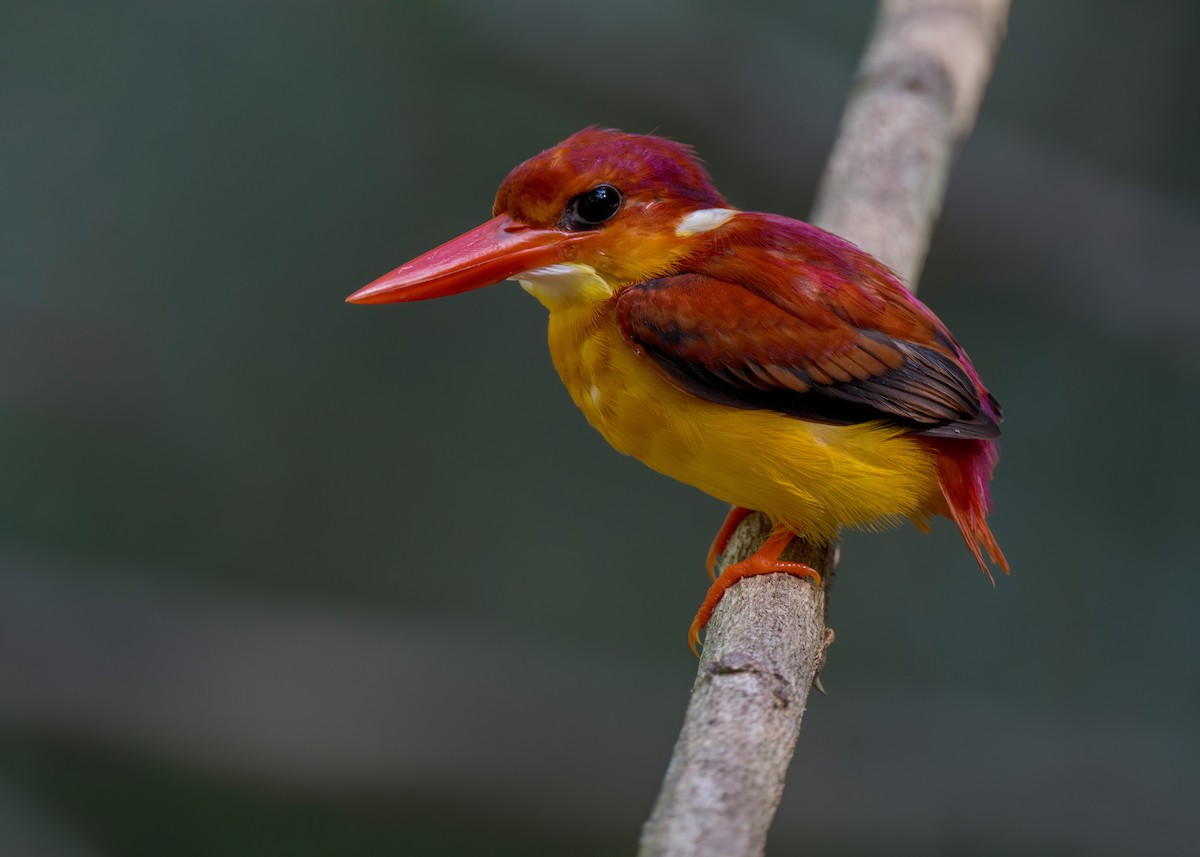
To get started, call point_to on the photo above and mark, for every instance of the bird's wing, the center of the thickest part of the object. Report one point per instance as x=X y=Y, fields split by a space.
x=836 y=349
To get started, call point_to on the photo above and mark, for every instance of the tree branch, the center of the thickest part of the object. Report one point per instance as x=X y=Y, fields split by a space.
x=915 y=100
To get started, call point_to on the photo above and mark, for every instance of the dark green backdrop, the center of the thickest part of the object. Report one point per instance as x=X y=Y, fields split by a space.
x=281 y=576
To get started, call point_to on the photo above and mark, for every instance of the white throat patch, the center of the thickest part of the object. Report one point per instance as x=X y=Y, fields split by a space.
x=557 y=285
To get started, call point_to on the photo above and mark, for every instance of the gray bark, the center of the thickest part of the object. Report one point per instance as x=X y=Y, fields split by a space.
x=915 y=100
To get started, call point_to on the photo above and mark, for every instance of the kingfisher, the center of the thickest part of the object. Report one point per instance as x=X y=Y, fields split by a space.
x=765 y=361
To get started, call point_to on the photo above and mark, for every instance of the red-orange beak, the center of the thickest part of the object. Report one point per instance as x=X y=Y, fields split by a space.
x=487 y=254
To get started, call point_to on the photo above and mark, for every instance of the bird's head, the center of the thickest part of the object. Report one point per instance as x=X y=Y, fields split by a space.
x=600 y=210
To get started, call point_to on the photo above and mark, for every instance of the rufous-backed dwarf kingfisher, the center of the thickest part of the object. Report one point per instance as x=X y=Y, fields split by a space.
x=765 y=361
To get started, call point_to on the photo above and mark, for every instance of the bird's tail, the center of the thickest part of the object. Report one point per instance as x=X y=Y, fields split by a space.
x=964 y=470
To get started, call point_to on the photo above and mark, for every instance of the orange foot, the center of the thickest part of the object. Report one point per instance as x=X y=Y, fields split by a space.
x=736 y=515
x=764 y=561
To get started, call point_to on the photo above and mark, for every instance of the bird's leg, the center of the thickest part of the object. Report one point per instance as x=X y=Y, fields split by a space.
x=764 y=561
x=736 y=515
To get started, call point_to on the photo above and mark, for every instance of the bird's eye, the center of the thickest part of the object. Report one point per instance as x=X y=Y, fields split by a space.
x=592 y=208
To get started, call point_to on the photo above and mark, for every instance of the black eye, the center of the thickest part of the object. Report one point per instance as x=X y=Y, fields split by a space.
x=592 y=208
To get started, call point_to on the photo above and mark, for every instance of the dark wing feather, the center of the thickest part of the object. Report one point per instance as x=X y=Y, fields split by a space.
x=728 y=344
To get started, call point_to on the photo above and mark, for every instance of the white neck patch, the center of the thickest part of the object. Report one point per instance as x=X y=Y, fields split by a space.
x=704 y=220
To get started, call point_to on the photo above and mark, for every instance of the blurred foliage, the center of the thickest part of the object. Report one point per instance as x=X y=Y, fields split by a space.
x=191 y=815
x=192 y=189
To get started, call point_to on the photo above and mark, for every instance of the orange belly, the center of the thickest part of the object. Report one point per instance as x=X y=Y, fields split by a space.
x=810 y=477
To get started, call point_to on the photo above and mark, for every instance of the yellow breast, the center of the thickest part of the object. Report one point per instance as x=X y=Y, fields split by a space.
x=813 y=478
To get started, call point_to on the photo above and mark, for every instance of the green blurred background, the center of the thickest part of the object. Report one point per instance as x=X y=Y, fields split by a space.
x=282 y=576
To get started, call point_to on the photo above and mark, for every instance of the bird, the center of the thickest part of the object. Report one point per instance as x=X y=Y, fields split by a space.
x=771 y=364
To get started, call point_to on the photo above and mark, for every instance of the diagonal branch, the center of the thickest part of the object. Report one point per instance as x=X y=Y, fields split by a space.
x=915 y=100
